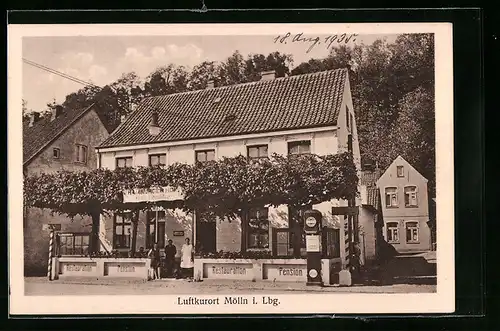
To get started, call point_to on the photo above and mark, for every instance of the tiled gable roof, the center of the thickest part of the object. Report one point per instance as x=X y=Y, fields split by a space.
x=369 y=179
x=303 y=101
x=45 y=131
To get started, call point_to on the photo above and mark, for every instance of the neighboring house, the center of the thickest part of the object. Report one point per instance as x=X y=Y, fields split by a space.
x=66 y=140
x=310 y=113
x=405 y=207
x=370 y=214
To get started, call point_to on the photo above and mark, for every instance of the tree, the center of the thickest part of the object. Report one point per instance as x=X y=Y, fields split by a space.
x=128 y=92
x=201 y=74
x=221 y=188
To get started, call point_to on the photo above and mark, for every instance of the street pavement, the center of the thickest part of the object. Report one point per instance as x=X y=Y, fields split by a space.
x=42 y=286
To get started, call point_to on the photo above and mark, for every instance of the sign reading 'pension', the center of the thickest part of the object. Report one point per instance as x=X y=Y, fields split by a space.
x=166 y=193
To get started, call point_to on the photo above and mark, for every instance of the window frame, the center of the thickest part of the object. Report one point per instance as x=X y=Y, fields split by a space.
x=117 y=159
x=117 y=243
x=298 y=143
x=83 y=248
x=258 y=230
x=396 y=194
x=58 y=150
x=416 y=227
x=402 y=175
x=86 y=153
x=159 y=155
x=390 y=229
x=416 y=196
x=258 y=147
x=151 y=223
x=197 y=152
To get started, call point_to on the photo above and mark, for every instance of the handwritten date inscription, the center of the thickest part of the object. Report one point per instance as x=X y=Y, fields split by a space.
x=314 y=41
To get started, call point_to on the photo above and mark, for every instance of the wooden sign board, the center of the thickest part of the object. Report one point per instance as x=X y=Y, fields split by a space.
x=178 y=233
x=345 y=210
x=49 y=227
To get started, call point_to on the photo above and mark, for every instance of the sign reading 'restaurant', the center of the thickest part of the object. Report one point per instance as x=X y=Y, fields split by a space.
x=229 y=271
x=152 y=194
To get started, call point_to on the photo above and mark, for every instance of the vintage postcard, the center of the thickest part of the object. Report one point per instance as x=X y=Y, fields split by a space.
x=231 y=168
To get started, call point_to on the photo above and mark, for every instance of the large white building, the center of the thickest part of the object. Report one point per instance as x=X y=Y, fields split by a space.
x=310 y=113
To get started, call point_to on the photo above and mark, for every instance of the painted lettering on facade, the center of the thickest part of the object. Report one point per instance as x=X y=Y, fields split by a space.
x=290 y=272
x=126 y=268
x=76 y=267
x=220 y=270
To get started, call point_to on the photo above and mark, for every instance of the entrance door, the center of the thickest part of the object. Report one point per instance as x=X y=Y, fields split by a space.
x=206 y=235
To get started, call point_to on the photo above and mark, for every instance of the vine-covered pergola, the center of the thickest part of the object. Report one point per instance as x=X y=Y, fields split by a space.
x=222 y=188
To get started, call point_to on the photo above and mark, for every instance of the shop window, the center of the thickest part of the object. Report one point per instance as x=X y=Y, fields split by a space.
x=151 y=230
x=206 y=155
x=124 y=162
x=391 y=197
x=412 y=232
x=81 y=153
x=257 y=152
x=258 y=228
x=73 y=243
x=158 y=159
x=122 y=231
x=411 y=196
x=393 y=232
x=299 y=147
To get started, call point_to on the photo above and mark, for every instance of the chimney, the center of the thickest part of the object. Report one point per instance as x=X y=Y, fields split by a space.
x=56 y=112
x=210 y=83
x=268 y=75
x=154 y=127
x=34 y=117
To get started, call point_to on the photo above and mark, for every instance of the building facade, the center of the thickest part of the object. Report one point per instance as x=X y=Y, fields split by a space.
x=405 y=207
x=293 y=115
x=64 y=141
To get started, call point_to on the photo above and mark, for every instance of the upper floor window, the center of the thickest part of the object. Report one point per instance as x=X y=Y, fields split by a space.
x=391 y=197
x=206 y=155
x=411 y=232
x=124 y=162
x=81 y=153
x=257 y=152
x=299 y=147
x=122 y=230
x=56 y=153
x=400 y=171
x=258 y=228
x=352 y=121
x=393 y=232
x=411 y=196
x=157 y=159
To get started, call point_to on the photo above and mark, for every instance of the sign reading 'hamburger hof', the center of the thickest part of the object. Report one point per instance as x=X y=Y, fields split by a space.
x=152 y=194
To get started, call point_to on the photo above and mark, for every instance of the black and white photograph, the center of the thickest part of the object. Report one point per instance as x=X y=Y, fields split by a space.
x=243 y=168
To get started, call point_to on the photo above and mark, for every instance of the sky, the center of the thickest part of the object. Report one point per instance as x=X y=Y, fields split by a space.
x=103 y=59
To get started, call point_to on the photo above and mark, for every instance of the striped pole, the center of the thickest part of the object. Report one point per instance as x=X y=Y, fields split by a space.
x=51 y=250
x=347 y=240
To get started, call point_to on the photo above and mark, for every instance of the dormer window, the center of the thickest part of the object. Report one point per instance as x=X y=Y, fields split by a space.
x=56 y=153
x=216 y=100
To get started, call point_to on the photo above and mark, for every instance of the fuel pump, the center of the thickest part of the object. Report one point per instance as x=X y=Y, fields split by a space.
x=312 y=229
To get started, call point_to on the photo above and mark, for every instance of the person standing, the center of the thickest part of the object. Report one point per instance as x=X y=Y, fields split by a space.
x=187 y=259
x=154 y=256
x=170 y=252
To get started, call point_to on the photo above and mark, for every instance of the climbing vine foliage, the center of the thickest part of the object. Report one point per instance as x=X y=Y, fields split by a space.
x=221 y=188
